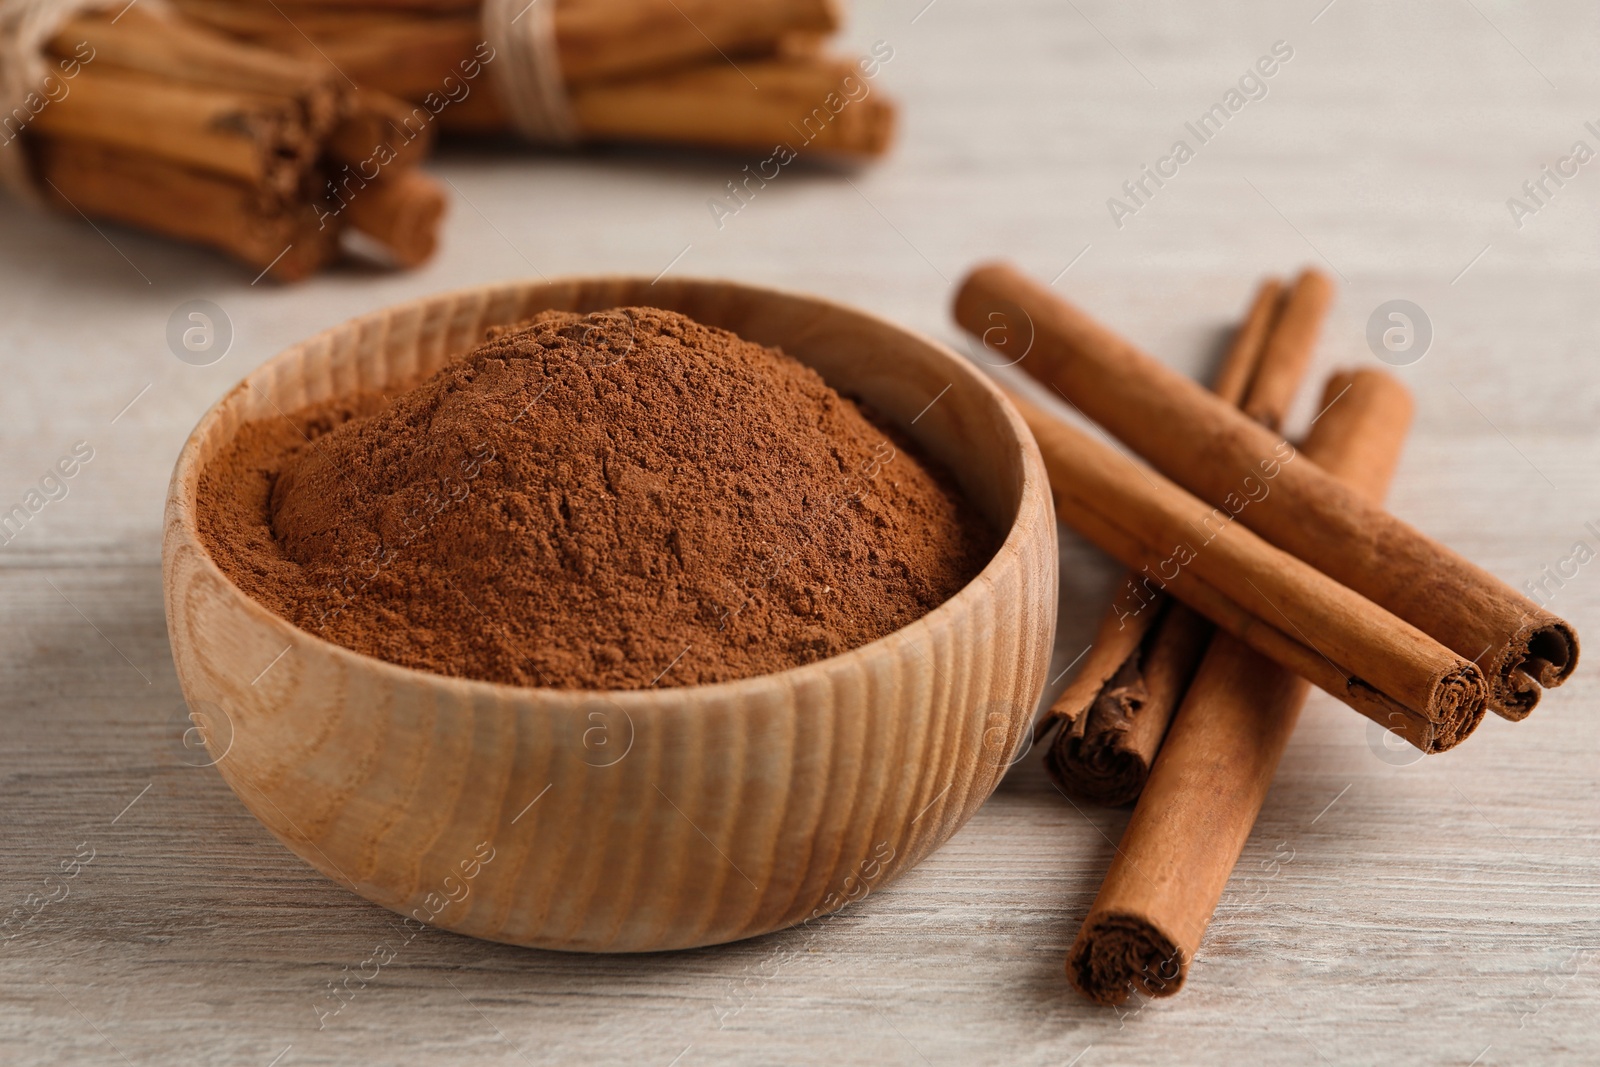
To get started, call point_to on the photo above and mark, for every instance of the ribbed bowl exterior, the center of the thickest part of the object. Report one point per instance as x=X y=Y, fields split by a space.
x=638 y=820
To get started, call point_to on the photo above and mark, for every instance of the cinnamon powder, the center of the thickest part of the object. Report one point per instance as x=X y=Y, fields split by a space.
x=609 y=501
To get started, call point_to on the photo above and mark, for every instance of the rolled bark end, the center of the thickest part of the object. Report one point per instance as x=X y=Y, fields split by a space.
x=1097 y=769
x=1105 y=753
x=1463 y=698
x=1543 y=653
x=1460 y=694
x=1200 y=442
x=1117 y=953
x=1460 y=699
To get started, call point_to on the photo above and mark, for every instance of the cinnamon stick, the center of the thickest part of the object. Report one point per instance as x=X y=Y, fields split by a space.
x=408 y=58
x=698 y=72
x=1213 y=773
x=111 y=183
x=175 y=49
x=401 y=211
x=278 y=22
x=805 y=105
x=249 y=137
x=1110 y=732
x=1109 y=741
x=1243 y=358
x=191 y=133
x=299 y=8
x=600 y=40
x=1288 y=349
x=1117 y=642
x=381 y=129
x=1112 y=718
x=1210 y=447
x=1376 y=662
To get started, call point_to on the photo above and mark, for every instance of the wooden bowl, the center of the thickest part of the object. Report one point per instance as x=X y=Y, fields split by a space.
x=626 y=820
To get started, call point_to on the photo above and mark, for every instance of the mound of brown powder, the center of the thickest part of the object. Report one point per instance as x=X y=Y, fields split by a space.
x=607 y=501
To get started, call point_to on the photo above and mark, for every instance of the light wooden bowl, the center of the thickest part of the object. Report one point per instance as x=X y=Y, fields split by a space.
x=639 y=820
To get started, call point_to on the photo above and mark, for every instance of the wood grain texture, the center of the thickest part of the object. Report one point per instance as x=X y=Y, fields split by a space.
x=1434 y=912
x=638 y=820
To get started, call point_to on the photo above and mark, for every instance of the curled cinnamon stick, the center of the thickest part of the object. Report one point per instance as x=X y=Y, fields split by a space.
x=1242 y=361
x=1376 y=662
x=1208 y=784
x=288 y=242
x=1117 y=642
x=177 y=50
x=381 y=129
x=251 y=138
x=600 y=40
x=1288 y=349
x=401 y=211
x=1110 y=735
x=1210 y=448
x=1112 y=718
x=805 y=105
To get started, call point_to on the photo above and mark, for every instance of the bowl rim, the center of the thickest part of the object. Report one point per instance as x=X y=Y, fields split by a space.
x=182 y=514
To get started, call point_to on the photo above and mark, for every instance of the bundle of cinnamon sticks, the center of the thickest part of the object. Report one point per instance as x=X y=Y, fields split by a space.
x=731 y=74
x=175 y=128
x=1256 y=567
x=287 y=132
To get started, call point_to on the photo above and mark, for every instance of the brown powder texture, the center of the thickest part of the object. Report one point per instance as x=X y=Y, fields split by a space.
x=609 y=501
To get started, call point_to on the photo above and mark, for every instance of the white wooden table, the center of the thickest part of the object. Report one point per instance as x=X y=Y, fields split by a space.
x=1446 y=911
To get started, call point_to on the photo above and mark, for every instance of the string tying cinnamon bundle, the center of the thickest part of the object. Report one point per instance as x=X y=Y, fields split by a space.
x=734 y=74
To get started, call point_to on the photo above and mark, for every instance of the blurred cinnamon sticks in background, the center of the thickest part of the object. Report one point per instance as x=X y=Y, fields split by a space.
x=808 y=104
x=733 y=74
x=597 y=40
x=187 y=133
x=270 y=129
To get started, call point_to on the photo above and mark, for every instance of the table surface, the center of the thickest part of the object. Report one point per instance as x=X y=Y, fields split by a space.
x=1385 y=910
